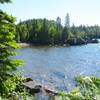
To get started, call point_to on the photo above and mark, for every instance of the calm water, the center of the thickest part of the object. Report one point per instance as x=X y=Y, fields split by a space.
x=57 y=66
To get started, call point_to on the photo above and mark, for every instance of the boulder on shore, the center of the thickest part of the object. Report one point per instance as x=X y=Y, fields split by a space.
x=93 y=41
x=35 y=87
x=80 y=41
x=76 y=41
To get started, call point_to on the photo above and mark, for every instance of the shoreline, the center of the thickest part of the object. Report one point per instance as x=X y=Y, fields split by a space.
x=30 y=44
x=64 y=45
x=25 y=44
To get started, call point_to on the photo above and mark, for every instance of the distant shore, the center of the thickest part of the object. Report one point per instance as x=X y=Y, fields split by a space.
x=30 y=44
x=71 y=42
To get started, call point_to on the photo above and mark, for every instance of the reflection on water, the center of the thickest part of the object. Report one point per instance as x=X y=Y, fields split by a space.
x=57 y=66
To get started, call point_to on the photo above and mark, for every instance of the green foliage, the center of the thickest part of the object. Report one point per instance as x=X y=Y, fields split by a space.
x=7 y=44
x=3 y=1
x=8 y=86
x=43 y=31
x=40 y=31
x=13 y=88
x=88 y=88
x=8 y=80
x=67 y=21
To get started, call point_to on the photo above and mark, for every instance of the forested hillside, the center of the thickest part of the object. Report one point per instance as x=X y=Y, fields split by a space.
x=43 y=31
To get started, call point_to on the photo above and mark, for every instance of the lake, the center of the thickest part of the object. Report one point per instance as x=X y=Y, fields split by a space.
x=58 y=66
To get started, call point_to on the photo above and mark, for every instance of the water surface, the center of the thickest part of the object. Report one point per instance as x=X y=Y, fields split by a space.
x=57 y=66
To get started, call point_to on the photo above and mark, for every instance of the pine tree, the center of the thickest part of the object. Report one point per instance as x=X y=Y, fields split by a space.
x=67 y=21
x=7 y=46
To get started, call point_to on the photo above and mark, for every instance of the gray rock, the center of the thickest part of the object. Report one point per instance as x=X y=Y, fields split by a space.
x=33 y=86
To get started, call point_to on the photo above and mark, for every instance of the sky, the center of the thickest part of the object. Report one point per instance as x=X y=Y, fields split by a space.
x=85 y=12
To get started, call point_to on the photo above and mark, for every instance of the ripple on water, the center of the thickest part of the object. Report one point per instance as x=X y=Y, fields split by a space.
x=57 y=66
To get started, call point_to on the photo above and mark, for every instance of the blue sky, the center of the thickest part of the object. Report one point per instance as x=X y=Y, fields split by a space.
x=80 y=11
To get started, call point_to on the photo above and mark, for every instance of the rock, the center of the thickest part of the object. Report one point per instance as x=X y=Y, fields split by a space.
x=25 y=44
x=50 y=90
x=76 y=41
x=33 y=86
x=94 y=41
x=28 y=79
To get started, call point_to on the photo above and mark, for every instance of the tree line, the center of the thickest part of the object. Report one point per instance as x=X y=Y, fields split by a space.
x=44 y=31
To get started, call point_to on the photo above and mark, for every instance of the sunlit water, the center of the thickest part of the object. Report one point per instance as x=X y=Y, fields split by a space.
x=57 y=66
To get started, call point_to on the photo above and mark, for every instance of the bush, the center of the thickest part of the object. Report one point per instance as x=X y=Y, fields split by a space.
x=88 y=88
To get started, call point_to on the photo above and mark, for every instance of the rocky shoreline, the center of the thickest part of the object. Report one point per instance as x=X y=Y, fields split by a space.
x=70 y=42
x=88 y=85
x=35 y=87
x=80 y=41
